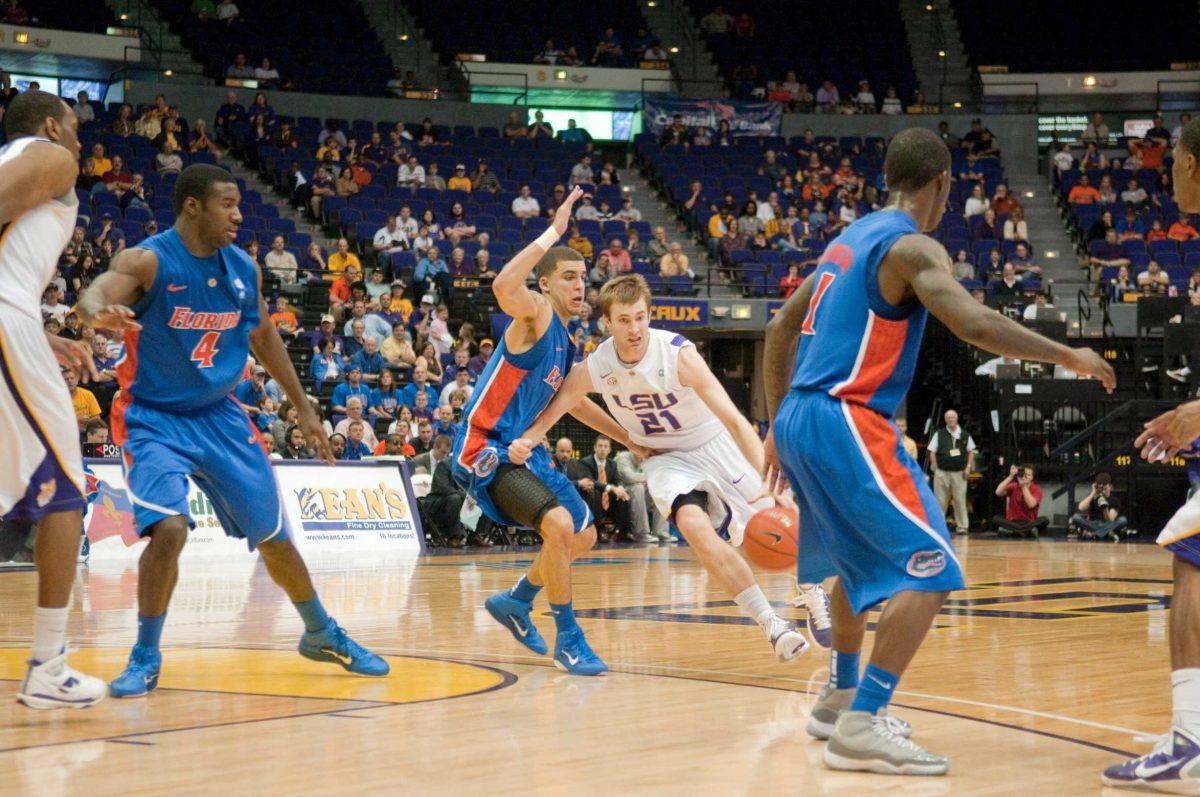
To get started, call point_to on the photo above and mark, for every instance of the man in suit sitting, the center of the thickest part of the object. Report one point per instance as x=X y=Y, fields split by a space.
x=443 y=505
x=608 y=499
x=428 y=461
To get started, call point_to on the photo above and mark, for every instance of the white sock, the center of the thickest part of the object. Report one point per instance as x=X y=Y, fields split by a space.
x=1185 y=698
x=49 y=632
x=754 y=604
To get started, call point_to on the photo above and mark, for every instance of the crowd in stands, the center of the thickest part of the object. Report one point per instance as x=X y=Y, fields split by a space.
x=1117 y=193
x=610 y=50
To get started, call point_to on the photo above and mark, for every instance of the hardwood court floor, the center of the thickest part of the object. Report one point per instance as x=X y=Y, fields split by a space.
x=1034 y=678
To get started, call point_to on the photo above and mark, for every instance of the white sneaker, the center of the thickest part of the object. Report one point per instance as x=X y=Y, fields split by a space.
x=820 y=626
x=789 y=644
x=53 y=684
x=832 y=702
x=862 y=743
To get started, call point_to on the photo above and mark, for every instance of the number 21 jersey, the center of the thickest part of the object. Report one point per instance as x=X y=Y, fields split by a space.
x=647 y=399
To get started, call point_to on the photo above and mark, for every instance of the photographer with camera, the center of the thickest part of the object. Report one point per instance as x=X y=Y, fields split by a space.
x=1097 y=517
x=1024 y=500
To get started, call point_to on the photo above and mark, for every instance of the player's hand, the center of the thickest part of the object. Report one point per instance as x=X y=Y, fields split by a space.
x=75 y=355
x=314 y=432
x=776 y=487
x=1086 y=362
x=562 y=216
x=520 y=450
x=115 y=317
x=770 y=458
x=619 y=492
x=1170 y=432
x=641 y=451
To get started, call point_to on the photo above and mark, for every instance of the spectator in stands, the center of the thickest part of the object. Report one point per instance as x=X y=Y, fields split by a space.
x=284 y=319
x=325 y=332
x=864 y=98
x=964 y=269
x=1063 y=160
x=343 y=257
x=582 y=171
x=419 y=384
x=1121 y=285
x=549 y=54
x=828 y=97
x=352 y=387
x=1015 y=226
x=1182 y=229
x=609 y=50
x=281 y=262
x=344 y=185
x=435 y=181
x=1101 y=227
x=1096 y=131
x=733 y=241
x=482 y=180
x=389 y=240
x=1184 y=118
x=373 y=325
x=1108 y=194
x=580 y=243
x=239 y=68
x=675 y=263
x=1023 y=262
x=1132 y=227
x=525 y=205
x=411 y=175
x=1134 y=195
x=603 y=270
x=587 y=211
x=322 y=186
x=628 y=213
x=514 y=128
x=540 y=129
x=789 y=282
x=1024 y=499
x=358 y=443
x=601 y=489
x=266 y=74
x=397 y=349
x=432 y=272
x=717 y=22
x=1150 y=151
x=369 y=360
x=1153 y=279
x=574 y=134
x=620 y=259
x=1008 y=285
x=891 y=102
x=1106 y=253
x=636 y=247
x=340 y=290
x=952 y=456
x=1097 y=516
x=985 y=228
x=1083 y=193
x=656 y=52
x=1003 y=201
x=976 y=203
x=1039 y=309
x=479 y=361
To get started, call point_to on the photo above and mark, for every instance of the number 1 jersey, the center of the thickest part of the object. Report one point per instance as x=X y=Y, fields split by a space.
x=647 y=399
x=854 y=345
x=196 y=320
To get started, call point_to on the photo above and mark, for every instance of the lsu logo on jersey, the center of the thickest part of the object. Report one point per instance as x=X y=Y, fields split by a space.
x=646 y=402
x=554 y=379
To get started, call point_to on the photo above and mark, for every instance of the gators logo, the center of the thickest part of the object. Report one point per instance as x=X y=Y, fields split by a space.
x=926 y=564
x=487 y=462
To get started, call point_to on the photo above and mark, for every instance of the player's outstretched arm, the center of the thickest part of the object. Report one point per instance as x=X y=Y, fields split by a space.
x=779 y=349
x=1170 y=432
x=43 y=171
x=695 y=373
x=509 y=286
x=272 y=354
x=105 y=304
x=922 y=263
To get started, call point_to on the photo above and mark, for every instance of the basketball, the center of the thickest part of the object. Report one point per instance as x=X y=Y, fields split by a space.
x=771 y=539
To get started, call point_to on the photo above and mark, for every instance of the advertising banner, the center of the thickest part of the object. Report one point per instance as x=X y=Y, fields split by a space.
x=745 y=118
x=678 y=313
x=351 y=507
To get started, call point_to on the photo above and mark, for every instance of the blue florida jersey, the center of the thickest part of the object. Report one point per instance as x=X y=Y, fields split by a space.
x=510 y=394
x=854 y=345
x=196 y=319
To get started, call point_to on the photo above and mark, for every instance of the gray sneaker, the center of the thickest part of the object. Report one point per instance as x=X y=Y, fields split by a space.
x=830 y=705
x=862 y=743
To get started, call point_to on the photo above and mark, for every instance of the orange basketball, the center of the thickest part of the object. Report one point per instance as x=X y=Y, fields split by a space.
x=771 y=539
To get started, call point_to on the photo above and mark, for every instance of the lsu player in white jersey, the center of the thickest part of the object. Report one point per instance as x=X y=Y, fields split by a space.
x=42 y=479
x=704 y=472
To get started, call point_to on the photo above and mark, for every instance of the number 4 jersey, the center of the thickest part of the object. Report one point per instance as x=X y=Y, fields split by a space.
x=196 y=320
x=647 y=399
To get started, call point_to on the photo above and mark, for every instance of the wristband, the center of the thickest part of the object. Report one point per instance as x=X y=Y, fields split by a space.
x=547 y=239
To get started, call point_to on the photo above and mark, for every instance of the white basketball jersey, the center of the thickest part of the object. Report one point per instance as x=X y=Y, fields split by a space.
x=647 y=399
x=31 y=245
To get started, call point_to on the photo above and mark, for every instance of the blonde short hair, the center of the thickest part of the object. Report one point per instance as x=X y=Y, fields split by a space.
x=626 y=289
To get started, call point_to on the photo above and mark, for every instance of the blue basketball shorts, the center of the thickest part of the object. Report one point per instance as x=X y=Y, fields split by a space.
x=477 y=475
x=867 y=515
x=218 y=448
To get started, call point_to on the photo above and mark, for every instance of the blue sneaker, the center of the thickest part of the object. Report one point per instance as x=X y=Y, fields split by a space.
x=333 y=644
x=820 y=627
x=1173 y=766
x=571 y=653
x=513 y=614
x=141 y=674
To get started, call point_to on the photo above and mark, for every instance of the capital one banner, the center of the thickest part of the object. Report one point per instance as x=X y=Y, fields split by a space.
x=359 y=507
x=745 y=118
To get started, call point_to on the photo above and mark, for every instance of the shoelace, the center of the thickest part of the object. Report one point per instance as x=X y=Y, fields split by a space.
x=347 y=646
x=1162 y=744
x=894 y=724
x=887 y=726
x=818 y=607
